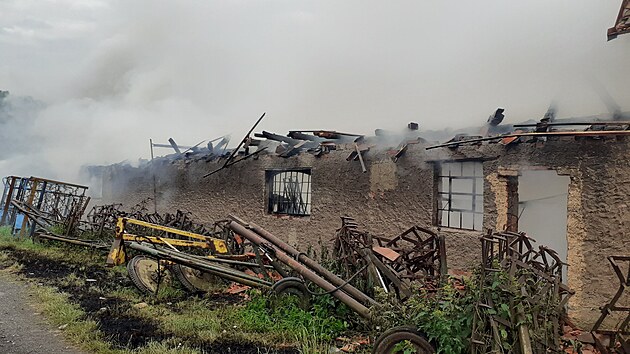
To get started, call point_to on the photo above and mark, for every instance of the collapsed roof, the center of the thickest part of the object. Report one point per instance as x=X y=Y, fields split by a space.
x=320 y=142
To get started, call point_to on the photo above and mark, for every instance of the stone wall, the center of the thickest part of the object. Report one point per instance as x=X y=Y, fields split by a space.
x=391 y=197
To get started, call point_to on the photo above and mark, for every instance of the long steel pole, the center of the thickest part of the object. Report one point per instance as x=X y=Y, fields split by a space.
x=181 y=258
x=302 y=270
x=313 y=265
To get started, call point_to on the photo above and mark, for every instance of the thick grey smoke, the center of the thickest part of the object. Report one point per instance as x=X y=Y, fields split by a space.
x=107 y=75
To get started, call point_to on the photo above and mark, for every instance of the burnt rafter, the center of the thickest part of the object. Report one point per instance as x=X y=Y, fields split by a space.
x=622 y=24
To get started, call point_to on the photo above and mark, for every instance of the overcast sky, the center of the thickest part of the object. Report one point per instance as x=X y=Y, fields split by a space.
x=113 y=74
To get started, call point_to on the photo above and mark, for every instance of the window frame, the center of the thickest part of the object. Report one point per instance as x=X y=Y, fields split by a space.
x=273 y=183
x=445 y=193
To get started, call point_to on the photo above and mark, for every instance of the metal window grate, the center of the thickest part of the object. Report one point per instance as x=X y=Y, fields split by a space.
x=289 y=192
x=460 y=194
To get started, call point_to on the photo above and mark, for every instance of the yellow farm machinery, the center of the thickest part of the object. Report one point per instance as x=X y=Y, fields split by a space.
x=199 y=262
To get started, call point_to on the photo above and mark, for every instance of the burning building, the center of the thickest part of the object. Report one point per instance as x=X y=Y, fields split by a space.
x=565 y=183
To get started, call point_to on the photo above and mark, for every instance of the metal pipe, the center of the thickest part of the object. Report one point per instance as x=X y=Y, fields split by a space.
x=302 y=270
x=310 y=263
x=181 y=258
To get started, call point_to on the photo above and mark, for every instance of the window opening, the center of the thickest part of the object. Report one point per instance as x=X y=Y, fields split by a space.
x=460 y=193
x=289 y=192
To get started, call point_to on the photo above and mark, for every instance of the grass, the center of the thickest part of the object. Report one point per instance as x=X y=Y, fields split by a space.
x=5 y=231
x=195 y=319
x=286 y=319
x=310 y=342
x=187 y=321
x=80 y=330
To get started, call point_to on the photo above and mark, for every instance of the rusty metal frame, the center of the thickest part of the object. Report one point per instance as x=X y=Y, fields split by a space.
x=539 y=274
x=619 y=337
x=59 y=201
x=417 y=255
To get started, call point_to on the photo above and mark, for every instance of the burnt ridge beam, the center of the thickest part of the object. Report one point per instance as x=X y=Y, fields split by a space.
x=301 y=136
x=277 y=137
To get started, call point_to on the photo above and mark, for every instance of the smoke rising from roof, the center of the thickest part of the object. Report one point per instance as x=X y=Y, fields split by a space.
x=107 y=75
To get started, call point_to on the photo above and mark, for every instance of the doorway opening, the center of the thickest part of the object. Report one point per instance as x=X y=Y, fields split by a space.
x=542 y=208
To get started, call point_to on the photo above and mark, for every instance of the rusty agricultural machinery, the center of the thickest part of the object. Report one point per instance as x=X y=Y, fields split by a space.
x=263 y=260
x=203 y=258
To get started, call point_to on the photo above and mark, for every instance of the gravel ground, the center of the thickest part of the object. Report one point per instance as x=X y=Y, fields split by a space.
x=22 y=329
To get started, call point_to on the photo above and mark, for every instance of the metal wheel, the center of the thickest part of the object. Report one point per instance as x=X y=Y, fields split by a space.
x=402 y=339
x=296 y=287
x=144 y=274
x=195 y=280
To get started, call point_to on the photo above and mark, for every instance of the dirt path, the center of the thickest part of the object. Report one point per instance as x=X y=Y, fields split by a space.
x=22 y=329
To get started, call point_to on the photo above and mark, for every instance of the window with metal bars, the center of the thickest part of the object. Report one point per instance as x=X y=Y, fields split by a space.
x=460 y=195
x=289 y=192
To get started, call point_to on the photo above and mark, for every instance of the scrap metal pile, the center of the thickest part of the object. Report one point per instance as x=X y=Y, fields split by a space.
x=101 y=219
x=417 y=254
x=522 y=300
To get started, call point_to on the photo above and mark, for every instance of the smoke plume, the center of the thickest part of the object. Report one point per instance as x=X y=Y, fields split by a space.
x=92 y=80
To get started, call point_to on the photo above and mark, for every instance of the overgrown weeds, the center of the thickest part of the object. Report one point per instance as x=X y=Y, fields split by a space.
x=444 y=316
x=284 y=317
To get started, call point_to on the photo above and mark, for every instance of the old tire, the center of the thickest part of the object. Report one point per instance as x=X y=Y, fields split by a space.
x=146 y=275
x=388 y=342
x=293 y=286
x=195 y=280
